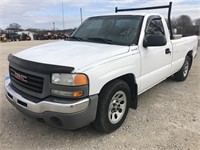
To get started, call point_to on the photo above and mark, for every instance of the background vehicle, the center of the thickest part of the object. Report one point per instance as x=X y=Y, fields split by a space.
x=13 y=36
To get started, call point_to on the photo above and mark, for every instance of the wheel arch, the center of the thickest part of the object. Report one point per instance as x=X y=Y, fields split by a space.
x=131 y=81
x=190 y=55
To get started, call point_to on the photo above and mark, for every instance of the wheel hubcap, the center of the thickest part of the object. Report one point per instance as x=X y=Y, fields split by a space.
x=117 y=107
x=186 y=67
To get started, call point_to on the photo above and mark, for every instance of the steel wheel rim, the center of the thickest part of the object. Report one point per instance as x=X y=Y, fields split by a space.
x=117 y=107
x=185 y=70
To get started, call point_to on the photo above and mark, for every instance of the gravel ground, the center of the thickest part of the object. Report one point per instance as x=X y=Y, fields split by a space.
x=168 y=117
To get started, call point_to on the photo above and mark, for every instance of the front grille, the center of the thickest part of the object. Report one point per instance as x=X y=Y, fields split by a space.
x=27 y=81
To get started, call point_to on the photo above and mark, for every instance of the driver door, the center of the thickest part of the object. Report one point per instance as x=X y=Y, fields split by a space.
x=155 y=61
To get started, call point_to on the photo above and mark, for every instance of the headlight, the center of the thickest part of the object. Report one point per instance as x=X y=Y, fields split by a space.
x=69 y=79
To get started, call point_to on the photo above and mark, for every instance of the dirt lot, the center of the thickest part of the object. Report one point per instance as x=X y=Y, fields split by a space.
x=168 y=117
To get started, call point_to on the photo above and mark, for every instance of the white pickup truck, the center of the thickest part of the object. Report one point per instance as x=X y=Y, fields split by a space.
x=96 y=75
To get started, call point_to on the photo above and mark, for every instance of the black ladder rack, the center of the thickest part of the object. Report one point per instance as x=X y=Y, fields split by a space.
x=155 y=7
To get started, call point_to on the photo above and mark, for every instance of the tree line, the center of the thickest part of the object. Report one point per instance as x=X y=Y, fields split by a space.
x=183 y=24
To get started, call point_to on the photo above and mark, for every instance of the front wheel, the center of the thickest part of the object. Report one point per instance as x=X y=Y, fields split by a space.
x=182 y=74
x=113 y=106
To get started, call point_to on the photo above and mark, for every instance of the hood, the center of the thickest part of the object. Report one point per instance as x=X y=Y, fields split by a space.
x=71 y=53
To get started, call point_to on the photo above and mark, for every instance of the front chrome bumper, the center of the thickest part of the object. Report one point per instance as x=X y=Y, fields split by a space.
x=44 y=106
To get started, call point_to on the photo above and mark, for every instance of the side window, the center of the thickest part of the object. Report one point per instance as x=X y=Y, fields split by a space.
x=154 y=33
x=155 y=27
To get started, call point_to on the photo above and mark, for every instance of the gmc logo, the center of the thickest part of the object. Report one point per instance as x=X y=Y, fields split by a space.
x=20 y=77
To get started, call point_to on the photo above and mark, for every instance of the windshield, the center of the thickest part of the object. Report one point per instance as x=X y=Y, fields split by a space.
x=120 y=30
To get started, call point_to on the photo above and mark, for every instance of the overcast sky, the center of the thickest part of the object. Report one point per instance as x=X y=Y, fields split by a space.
x=42 y=13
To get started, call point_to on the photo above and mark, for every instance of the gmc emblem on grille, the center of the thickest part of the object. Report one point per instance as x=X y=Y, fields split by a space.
x=20 y=77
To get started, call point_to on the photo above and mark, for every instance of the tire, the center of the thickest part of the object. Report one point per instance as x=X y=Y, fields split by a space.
x=182 y=74
x=113 y=106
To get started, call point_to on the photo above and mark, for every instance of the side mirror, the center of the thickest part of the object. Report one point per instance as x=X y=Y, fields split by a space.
x=154 y=40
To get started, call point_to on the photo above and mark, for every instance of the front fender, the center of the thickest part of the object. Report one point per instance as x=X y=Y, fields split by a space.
x=102 y=74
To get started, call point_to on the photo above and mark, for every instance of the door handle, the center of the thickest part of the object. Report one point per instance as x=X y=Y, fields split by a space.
x=167 y=51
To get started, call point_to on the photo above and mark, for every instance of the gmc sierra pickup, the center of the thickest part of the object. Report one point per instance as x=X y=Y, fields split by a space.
x=96 y=74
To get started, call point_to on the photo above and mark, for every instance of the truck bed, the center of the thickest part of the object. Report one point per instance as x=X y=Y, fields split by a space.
x=180 y=49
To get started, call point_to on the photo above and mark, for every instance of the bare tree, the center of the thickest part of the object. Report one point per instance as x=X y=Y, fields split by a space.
x=183 y=23
x=174 y=22
x=197 y=22
x=14 y=27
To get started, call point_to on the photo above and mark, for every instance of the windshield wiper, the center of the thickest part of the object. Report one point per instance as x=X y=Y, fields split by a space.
x=76 y=38
x=101 y=40
x=108 y=41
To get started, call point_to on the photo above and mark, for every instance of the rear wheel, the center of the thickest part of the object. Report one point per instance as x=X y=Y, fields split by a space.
x=182 y=74
x=114 y=102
